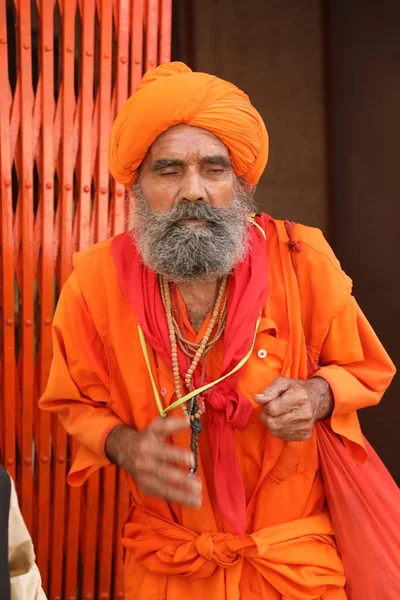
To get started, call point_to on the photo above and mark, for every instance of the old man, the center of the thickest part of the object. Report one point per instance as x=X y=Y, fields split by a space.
x=182 y=353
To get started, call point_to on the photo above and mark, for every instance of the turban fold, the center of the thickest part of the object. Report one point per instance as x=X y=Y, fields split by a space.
x=172 y=94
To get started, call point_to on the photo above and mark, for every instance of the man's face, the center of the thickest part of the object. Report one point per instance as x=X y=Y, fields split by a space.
x=190 y=210
x=187 y=164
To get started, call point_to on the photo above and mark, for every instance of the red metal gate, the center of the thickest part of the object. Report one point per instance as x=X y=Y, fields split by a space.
x=66 y=67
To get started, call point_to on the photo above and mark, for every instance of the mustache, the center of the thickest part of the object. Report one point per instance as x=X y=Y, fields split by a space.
x=202 y=211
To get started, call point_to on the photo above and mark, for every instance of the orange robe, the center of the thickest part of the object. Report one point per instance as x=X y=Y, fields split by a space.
x=99 y=379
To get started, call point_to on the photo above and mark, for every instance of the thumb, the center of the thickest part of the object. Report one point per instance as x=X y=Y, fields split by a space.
x=166 y=426
x=273 y=391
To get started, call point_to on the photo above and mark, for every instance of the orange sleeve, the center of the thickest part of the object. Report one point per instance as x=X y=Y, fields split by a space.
x=358 y=369
x=78 y=385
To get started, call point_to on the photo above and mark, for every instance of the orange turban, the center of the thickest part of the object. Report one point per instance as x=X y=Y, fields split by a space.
x=173 y=94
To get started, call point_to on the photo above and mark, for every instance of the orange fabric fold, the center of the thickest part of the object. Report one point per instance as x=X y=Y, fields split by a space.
x=285 y=555
x=173 y=94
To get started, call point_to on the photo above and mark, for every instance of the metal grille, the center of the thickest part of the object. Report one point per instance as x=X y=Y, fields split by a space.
x=66 y=68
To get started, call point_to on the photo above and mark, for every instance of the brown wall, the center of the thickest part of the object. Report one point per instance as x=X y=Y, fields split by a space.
x=365 y=141
x=298 y=62
x=273 y=50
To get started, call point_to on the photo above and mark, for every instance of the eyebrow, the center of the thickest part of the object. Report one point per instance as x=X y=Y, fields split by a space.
x=162 y=163
x=216 y=159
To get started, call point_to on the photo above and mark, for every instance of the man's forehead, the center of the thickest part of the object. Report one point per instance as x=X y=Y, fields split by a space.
x=182 y=141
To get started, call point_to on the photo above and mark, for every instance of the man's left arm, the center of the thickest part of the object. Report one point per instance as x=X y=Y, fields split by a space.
x=357 y=368
x=354 y=371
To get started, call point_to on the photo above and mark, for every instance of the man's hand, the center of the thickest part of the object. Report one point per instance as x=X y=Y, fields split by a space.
x=153 y=463
x=292 y=406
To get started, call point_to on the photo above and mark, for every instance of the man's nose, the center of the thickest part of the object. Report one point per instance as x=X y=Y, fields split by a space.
x=192 y=188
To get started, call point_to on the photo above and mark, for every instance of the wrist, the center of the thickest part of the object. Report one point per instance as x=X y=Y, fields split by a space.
x=117 y=442
x=325 y=401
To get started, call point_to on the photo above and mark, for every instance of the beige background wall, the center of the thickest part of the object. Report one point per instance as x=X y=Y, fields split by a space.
x=273 y=50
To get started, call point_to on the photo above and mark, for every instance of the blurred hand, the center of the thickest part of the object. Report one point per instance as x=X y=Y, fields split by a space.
x=154 y=463
x=291 y=406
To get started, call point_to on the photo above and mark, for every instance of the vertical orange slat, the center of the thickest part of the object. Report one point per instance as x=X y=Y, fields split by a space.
x=121 y=16
x=123 y=508
x=27 y=315
x=165 y=31
x=153 y=9
x=136 y=44
x=122 y=12
x=89 y=531
x=68 y=158
x=65 y=207
x=104 y=92
x=106 y=523
x=67 y=98
x=106 y=530
x=86 y=117
x=7 y=370
x=46 y=279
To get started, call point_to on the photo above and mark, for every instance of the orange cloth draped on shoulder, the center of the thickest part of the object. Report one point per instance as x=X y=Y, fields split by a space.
x=99 y=379
x=172 y=94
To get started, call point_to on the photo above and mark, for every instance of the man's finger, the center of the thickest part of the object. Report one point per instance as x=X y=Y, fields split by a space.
x=171 y=454
x=291 y=400
x=166 y=426
x=276 y=389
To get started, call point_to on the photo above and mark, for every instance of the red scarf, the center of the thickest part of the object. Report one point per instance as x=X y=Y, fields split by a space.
x=228 y=408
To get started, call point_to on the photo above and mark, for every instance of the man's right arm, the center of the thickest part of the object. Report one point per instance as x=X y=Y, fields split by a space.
x=78 y=392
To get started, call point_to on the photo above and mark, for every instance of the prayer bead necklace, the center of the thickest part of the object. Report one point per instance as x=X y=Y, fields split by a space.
x=200 y=350
x=195 y=352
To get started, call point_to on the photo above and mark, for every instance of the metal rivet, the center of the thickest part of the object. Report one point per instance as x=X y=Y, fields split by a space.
x=137 y=61
x=68 y=187
x=10 y=321
x=28 y=461
x=88 y=53
x=120 y=193
x=7 y=182
x=28 y=322
x=45 y=459
x=47 y=321
x=69 y=49
x=103 y=190
x=3 y=41
x=123 y=59
x=28 y=184
x=106 y=55
x=48 y=48
x=88 y=596
x=61 y=459
x=26 y=46
x=49 y=185
x=86 y=188
x=151 y=63
x=10 y=461
x=104 y=596
x=72 y=598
